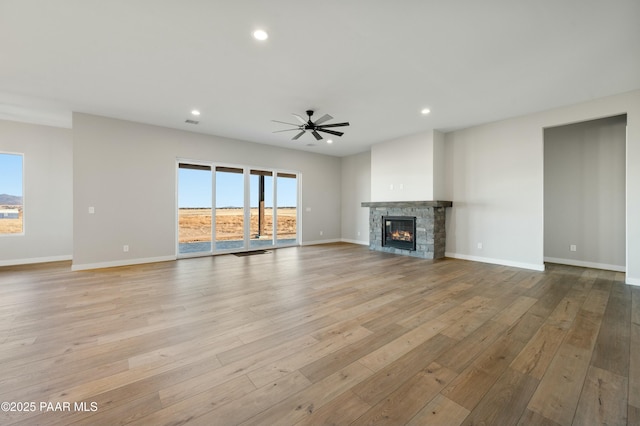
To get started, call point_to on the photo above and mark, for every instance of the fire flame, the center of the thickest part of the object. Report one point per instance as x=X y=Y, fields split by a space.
x=399 y=235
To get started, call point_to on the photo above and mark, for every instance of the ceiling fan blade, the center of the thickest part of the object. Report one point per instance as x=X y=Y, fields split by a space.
x=316 y=135
x=286 y=130
x=300 y=118
x=284 y=122
x=322 y=119
x=334 y=125
x=297 y=136
x=333 y=132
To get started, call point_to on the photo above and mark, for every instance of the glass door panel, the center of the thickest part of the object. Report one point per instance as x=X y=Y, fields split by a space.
x=229 y=208
x=194 y=208
x=261 y=208
x=287 y=208
x=237 y=209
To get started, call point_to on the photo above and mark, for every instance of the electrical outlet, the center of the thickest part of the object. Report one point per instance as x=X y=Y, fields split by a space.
x=572 y=247
x=480 y=246
x=358 y=233
x=125 y=248
x=321 y=232
x=92 y=210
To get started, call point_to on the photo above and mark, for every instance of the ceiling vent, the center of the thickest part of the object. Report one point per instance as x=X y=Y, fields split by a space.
x=191 y=121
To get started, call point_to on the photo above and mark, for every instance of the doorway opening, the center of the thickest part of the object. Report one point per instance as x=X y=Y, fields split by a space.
x=585 y=194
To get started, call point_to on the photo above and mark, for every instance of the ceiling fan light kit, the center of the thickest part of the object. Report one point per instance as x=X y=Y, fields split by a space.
x=306 y=125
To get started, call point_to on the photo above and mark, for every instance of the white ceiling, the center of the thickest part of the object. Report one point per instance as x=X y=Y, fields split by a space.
x=373 y=63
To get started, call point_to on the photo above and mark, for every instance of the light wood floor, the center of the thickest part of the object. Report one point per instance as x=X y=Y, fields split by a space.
x=330 y=334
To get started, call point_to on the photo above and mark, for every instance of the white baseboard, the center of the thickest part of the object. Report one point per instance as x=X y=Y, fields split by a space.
x=583 y=264
x=532 y=266
x=313 y=243
x=32 y=260
x=115 y=263
x=362 y=243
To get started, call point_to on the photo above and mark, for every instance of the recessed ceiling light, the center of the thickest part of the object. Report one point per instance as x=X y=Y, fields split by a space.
x=329 y=141
x=260 y=35
x=195 y=112
x=425 y=111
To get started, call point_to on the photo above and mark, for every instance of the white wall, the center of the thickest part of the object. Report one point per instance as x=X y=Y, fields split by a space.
x=48 y=173
x=402 y=169
x=356 y=188
x=584 y=193
x=495 y=180
x=127 y=171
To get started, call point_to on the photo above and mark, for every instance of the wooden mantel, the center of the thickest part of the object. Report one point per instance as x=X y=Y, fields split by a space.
x=405 y=204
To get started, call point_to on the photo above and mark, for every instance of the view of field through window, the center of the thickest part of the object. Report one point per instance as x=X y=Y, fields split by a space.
x=195 y=208
x=11 y=197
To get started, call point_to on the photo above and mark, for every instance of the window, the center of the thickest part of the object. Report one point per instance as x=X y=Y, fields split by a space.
x=11 y=194
x=287 y=211
x=233 y=208
x=194 y=208
x=261 y=207
x=229 y=208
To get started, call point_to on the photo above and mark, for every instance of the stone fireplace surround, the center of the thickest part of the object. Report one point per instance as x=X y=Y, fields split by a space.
x=430 y=226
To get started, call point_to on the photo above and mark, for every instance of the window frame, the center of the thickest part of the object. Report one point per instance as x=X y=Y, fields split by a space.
x=22 y=183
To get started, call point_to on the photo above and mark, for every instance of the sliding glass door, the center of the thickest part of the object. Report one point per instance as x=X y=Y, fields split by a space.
x=230 y=212
x=237 y=208
x=287 y=211
x=261 y=208
x=194 y=208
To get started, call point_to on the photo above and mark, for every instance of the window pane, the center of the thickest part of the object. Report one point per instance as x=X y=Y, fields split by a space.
x=287 y=190
x=11 y=197
x=229 y=208
x=194 y=208
x=261 y=187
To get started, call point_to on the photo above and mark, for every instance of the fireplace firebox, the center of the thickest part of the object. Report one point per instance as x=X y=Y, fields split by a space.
x=399 y=232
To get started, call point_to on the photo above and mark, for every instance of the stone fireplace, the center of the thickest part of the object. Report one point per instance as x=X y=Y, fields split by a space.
x=411 y=228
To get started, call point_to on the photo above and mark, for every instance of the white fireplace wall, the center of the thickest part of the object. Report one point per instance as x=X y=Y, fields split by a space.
x=439 y=187
x=408 y=168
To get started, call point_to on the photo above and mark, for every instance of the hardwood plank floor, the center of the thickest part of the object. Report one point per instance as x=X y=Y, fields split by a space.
x=328 y=334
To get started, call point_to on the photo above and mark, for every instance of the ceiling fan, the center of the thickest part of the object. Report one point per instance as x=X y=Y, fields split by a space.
x=313 y=127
